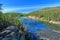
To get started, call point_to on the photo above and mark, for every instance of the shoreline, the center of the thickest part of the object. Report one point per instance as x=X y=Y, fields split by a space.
x=48 y=23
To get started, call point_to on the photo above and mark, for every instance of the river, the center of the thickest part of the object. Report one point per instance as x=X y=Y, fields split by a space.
x=33 y=27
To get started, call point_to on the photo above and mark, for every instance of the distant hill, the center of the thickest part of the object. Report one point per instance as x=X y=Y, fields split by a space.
x=51 y=13
x=14 y=14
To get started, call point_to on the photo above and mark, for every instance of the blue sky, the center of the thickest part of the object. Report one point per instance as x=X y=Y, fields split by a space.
x=25 y=6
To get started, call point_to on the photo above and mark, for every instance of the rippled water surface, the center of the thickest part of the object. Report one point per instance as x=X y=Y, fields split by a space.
x=34 y=25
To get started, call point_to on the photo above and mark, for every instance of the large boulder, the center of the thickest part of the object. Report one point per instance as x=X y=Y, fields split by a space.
x=10 y=33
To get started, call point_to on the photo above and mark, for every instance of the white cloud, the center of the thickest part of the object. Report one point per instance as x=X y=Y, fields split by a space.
x=25 y=8
x=19 y=8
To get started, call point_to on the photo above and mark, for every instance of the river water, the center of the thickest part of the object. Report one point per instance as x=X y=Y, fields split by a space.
x=33 y=27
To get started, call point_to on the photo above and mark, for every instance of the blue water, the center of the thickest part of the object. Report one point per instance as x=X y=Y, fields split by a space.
x=34 y=25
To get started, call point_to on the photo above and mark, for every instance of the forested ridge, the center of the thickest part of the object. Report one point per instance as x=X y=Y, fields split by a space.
x=50 y=13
